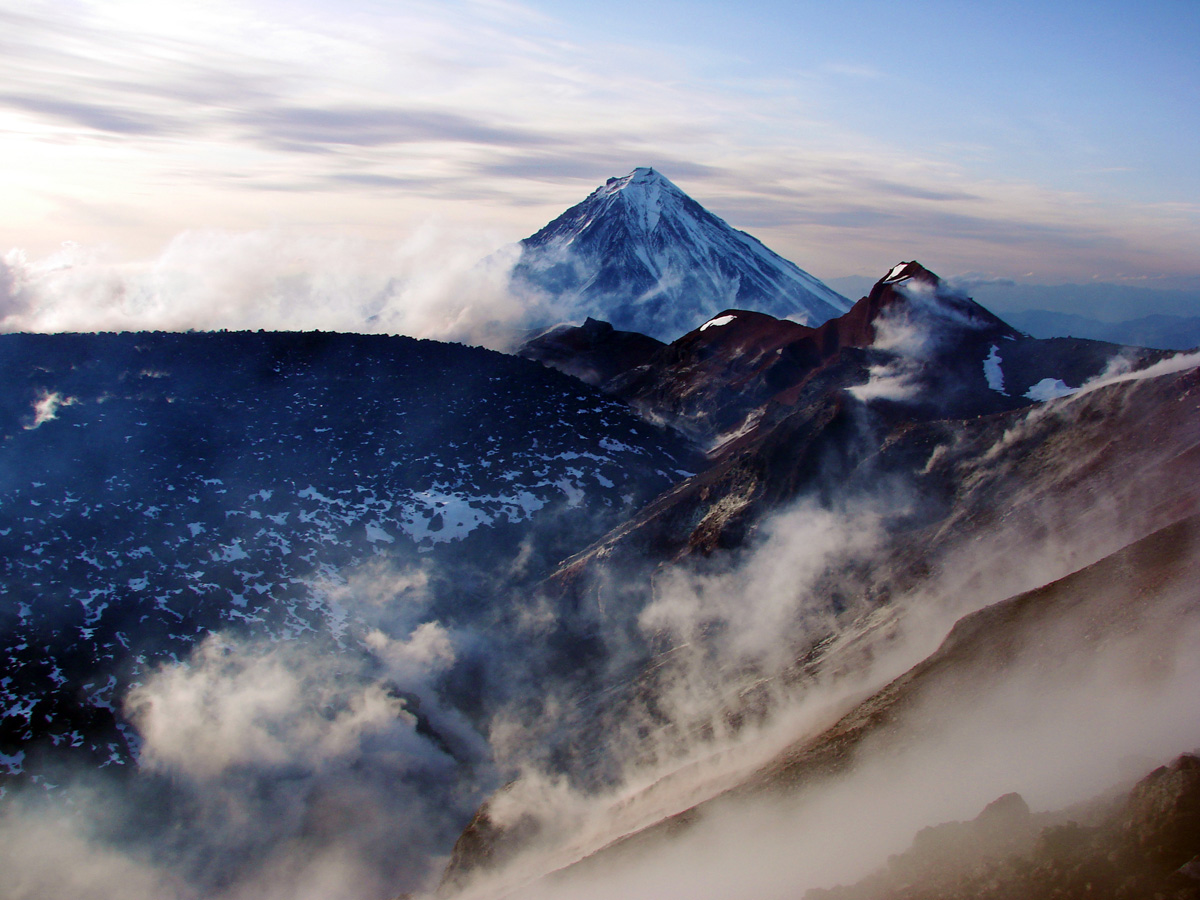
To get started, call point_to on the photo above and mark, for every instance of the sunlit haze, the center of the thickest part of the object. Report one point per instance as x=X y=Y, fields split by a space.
x=1046 y=143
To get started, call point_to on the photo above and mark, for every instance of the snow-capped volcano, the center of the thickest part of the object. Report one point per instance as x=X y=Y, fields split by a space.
x=643 y=255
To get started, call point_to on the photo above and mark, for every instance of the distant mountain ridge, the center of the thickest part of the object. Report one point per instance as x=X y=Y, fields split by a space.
x=642 y=255
x=1160 y=331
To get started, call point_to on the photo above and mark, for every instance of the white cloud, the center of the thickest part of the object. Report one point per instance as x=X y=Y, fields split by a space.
x=427 y=651
x=45 y=408
x=1119 y=370
x=234 y=706
x=305 y=769
x=49 y=853
x=433 y=285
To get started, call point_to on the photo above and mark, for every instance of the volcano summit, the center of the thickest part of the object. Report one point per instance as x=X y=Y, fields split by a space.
x=643 y=255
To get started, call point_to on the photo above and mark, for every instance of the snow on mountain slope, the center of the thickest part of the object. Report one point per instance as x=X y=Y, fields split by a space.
x=447 y=558
x=643 y=255
x=155 y=488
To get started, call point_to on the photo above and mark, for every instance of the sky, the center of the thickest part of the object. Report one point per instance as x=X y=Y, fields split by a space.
x=1041 y=142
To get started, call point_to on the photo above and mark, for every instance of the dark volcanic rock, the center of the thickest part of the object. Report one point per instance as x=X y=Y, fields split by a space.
x=1145 y=846
x=593 y=352
x=912 y=342
x=787 y=410
x=1129 y=447
x=156 y=488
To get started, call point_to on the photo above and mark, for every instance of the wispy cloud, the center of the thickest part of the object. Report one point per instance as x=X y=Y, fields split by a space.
x=93 y=116
x=373 y=127
x=240 y=116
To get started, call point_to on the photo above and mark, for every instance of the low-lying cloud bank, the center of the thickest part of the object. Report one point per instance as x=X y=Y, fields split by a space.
x=432 y=285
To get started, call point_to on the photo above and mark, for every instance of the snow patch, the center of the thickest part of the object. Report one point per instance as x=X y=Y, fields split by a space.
x=575 y=494
x=993 y=373
x=438 y=517
x=717 y=322
x=376 y=533
x=1050 y=389
x=613 y=446
x=13 y=765
x=230 y=553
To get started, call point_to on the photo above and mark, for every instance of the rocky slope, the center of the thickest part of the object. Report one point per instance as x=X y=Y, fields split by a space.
x=786 y=409
x=913 y=341
x=1056 y=486
x=1144 y=844
x=1043 y=657
x=466 y=570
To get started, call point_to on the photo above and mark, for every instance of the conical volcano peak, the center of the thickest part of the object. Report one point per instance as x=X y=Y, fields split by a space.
x=644 y=195
x=643 y=255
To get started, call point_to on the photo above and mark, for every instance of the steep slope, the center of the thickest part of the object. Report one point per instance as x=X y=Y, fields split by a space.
x=642 y=255
x=1140 y=599
x=972 y=511
x=1122 y=631
x=786 y=409
x=1146 y=590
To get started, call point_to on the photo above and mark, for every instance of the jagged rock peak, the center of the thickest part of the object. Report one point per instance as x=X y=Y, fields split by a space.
x=910 y=284
x=903 y=271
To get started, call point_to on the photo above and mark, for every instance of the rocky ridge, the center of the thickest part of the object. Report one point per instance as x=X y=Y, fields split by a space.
x=1001 y=470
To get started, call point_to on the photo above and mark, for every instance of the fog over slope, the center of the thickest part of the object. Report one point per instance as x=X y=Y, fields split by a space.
x=526 y=651
x=1092 y=688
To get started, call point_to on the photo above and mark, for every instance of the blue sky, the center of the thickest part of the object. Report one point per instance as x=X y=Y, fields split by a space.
x=1037 y=141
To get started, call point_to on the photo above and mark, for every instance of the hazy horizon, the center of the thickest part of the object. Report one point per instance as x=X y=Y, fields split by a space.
x=1047 y=146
